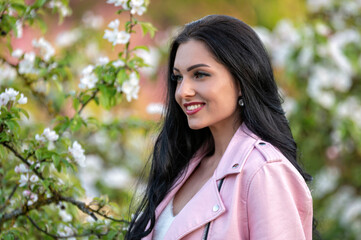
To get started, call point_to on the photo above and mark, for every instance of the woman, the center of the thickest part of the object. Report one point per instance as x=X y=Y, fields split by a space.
x=225 y=163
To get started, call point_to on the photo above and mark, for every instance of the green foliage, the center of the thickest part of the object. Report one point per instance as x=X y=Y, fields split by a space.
x=47 y=142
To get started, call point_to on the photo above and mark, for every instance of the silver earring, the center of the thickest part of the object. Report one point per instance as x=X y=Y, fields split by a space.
x=240 y=102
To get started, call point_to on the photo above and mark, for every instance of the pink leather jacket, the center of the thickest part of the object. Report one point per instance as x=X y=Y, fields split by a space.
x=263 y=197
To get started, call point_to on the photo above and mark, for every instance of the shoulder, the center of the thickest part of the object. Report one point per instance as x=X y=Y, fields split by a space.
x=266 y=167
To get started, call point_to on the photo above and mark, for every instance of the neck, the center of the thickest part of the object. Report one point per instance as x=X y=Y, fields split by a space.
x=222 y=135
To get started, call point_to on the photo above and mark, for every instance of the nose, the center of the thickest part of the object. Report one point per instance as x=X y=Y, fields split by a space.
x=185 y=88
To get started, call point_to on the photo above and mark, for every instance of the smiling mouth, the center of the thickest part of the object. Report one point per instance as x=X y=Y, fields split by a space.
x=193 y=108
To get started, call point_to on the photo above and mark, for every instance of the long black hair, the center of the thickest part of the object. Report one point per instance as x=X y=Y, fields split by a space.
x=235 y=45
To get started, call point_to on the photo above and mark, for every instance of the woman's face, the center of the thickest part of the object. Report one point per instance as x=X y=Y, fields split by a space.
x=206 y=91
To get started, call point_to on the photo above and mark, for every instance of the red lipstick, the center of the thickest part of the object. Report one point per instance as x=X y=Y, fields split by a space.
x=197 y=106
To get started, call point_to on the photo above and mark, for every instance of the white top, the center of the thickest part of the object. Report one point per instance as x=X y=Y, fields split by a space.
x=164 y=221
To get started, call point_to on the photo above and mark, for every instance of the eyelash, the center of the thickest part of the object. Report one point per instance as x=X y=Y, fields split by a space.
x=197 y=75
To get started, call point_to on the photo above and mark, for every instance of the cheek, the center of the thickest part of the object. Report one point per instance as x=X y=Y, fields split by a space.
x=177 y=97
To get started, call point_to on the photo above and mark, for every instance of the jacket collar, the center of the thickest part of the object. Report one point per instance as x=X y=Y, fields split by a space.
x=236 y=152
x=232 y=162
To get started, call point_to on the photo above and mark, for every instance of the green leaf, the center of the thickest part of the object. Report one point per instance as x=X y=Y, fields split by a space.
x=57 y=162
x=141 y=47
x=25 y=113
x=147 y=27
x=43 y=153
x=13 y=126
x=39 y=3
x=42 y=25
x=107 y=96
x=122 y=76
x=20 y=8
x=76 y=104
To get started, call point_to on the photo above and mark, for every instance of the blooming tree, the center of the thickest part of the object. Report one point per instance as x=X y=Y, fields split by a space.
x=41 y=190
x=319 y=68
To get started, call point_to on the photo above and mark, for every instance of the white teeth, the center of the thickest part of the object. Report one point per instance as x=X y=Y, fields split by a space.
x=193 y=107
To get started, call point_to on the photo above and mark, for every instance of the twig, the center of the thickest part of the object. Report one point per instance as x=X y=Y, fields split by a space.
x=82 y=206
x=91 y=98
x=5 y=144
x=107 y=217
x=69 y=236
x=9 y=198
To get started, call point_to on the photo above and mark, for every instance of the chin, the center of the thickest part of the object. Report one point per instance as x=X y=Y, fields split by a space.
x=195 y=126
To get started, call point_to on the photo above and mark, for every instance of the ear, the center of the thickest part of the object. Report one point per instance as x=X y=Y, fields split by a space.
x=239 y=91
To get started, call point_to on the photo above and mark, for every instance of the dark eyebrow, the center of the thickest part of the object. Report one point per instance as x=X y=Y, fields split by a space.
x=193 y=67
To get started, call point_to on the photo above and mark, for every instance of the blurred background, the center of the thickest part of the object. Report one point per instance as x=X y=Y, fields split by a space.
x=316 y=54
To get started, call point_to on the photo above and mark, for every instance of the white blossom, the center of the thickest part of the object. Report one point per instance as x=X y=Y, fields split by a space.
x=265 y=35
x=22 y=99
x=131 y=87
x=78 y=153
x=102 y=61
x=285 y=39
x=50 y=135
x=26 y=193
x=326 y=181
x=136 y=3
x=32 y=199
x=24 y=179
x=306 y=55
x=19 y=28
x=91 y=20
x=4 y=99
x=151 y=58
x=17 y=53
x=34 y=178
x=114 y=24
x=88 y=79
x=27 y=64
x=115 y=36
x=155 y=108
x=117 y=3
x=316 y=5
x=326 y=99
x=322 y=29
x=64 y=231
x=11 y=11
x=118 y=63
x=350 y=108
x=21 y=168
x=45 y=48
x=116 y=177
x=47 y=135
x=67 y=38
x=351 y=212
x=66 y=217
x=138 y=10
x=7 y=73
x=11 y=93
x=63 y=10
x=336 y=44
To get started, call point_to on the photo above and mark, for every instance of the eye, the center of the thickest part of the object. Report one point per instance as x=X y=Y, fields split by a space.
x=199 y=75
x=176 y=77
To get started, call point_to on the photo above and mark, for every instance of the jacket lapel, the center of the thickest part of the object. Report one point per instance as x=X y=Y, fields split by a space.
x=206 y=205
x=179 y=183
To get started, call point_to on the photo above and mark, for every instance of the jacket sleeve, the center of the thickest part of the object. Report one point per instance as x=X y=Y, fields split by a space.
x=279 y=204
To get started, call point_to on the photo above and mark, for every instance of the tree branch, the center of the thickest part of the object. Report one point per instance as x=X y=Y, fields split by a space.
x=86 y=103
x=81 y=206
x=107 y=217
x=5 y=144
x=9 y=198
x=69 y=236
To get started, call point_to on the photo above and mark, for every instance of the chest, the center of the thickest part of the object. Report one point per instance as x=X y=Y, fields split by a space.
x=191 y=187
